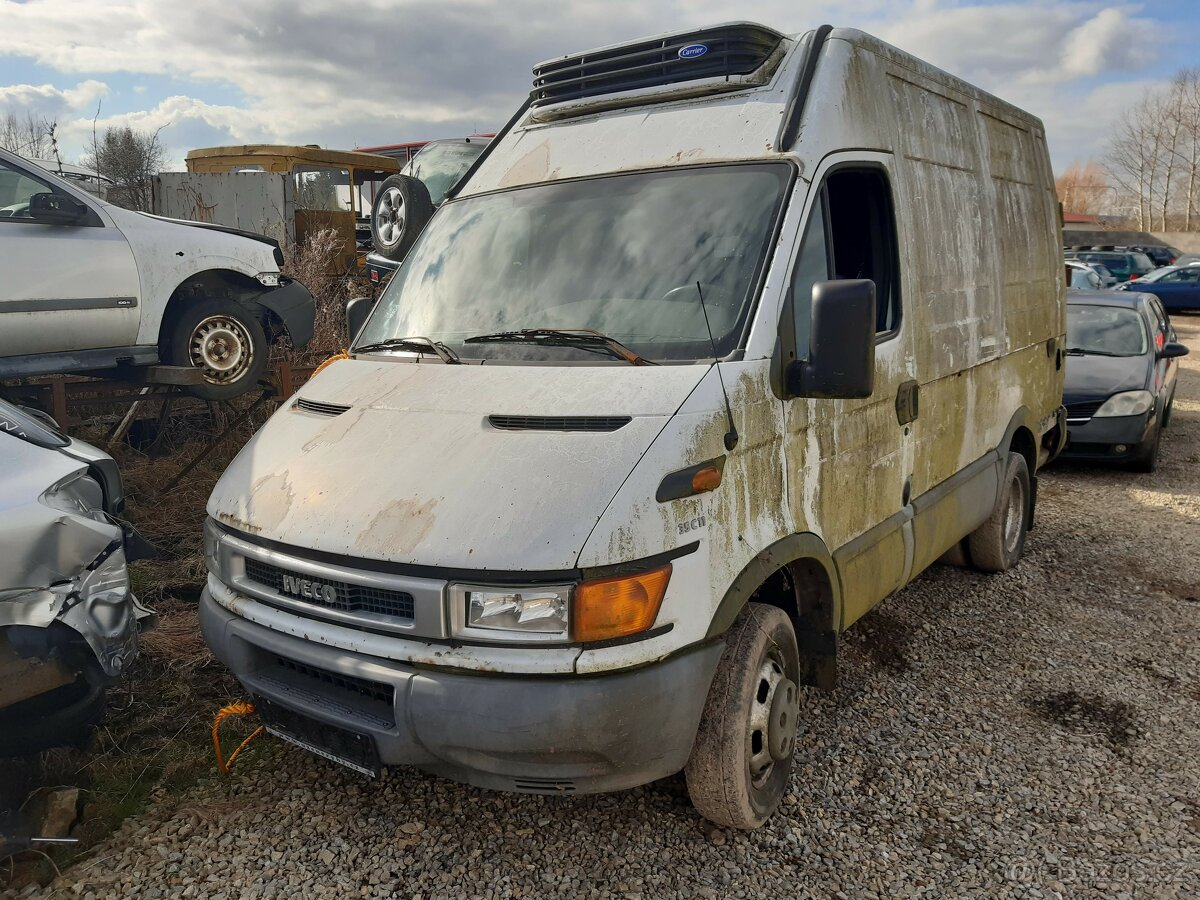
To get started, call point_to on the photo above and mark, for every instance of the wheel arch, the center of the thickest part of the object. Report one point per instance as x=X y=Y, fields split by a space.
x=218 y=283
x=798 y=575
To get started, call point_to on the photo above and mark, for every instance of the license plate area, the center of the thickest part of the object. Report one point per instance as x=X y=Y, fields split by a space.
x=340 y=745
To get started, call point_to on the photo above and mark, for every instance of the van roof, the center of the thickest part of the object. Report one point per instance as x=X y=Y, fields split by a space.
x=641 y=105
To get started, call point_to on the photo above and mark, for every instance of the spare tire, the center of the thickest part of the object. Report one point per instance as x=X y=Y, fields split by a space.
x=400 y=212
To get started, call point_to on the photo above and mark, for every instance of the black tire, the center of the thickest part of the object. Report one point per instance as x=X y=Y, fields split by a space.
x=1147 y=459
x=739 y=767
x=224 y=339
x=998 y=543
x=1166 y=416
x=401 y=210
x=62 y=717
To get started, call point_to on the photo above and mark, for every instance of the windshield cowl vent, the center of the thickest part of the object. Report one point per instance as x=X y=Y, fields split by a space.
x=559 y=423
x=319 y=408
x=724 y=51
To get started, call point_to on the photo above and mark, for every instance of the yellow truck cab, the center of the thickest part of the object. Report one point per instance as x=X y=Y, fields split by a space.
x=333 y=189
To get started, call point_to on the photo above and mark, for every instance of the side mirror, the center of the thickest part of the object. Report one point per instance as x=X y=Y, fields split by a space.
x=1171 y=350
x=841 y=358
x=357 y=312
x=55 y=209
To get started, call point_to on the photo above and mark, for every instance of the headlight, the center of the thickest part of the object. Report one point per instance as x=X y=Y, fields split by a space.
x=597 y=610
x=268 y=279
x=1129 y=403
x=80 y=495
x=212 y=540
x=527 y=613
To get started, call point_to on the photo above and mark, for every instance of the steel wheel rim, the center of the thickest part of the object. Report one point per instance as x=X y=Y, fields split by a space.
x=221 y=347
x=389 y=216
x=766 y=721
x=1014 y=512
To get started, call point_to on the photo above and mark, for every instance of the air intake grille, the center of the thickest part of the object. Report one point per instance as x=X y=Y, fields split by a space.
x=731 y=50
x=340 y=595
x=370 y=690
x=321 y=409
x=544 y=785
x=1083 y=410
x=559 y=423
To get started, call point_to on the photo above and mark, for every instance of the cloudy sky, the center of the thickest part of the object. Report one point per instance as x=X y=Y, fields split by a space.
x=386 y=71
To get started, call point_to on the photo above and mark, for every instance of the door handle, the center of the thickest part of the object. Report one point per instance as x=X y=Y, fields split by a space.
x=907 y=402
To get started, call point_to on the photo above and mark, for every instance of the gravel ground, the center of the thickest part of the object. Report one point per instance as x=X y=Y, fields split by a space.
x=1032 y=734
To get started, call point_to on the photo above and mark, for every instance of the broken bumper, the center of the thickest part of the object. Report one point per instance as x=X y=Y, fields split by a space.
x=294 y=306
x=508 y=732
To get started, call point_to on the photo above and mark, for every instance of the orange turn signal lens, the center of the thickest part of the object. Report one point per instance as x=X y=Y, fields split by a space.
x=707 y=479
x=609 y=608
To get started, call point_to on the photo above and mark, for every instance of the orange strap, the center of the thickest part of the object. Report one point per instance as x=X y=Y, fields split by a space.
x=345 y=354
x=233 y=709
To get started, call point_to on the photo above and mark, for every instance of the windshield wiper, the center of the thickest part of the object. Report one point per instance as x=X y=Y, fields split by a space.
x=415 y=344
x=583 y=338
x=1084 y=351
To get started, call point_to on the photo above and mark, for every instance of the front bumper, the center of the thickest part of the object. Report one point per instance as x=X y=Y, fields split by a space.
x=552 y=734
x=1100 y=437
x=294 y=305
x=379 y=268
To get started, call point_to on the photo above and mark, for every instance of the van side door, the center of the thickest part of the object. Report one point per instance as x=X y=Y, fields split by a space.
x=849 y=461
x=65 y=286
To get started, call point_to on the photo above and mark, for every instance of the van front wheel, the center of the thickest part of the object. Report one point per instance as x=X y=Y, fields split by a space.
x=742 y=758
x=998 y=543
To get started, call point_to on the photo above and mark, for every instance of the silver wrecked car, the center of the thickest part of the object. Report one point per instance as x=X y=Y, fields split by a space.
x=68 y=620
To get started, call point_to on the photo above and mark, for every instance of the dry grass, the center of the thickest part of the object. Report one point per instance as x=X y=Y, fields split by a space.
x=309 y=264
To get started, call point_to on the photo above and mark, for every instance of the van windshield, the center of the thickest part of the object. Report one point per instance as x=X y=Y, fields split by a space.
x=619 y=254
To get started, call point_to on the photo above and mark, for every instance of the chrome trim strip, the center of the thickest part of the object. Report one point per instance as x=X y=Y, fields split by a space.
x=428 y=606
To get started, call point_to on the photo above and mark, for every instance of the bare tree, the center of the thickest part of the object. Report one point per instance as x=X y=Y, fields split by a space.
x=131 y=158
x=1153 y=156
x=31 y=136
x=1083 y=188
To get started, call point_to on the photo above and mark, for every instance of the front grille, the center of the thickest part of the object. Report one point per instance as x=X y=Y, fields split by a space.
x=321 y=409
x=1083 y=410
x=729 y=50
x=559 y=423
x=345 y=596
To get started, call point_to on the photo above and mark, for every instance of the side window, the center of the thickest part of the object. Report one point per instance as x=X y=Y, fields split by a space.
x=16 y=187
x=1171 y=277
x=1191 y=274
x=811 y=266
x=851 y=233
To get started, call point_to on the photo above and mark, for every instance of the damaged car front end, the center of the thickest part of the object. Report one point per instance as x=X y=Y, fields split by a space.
x=68 y=620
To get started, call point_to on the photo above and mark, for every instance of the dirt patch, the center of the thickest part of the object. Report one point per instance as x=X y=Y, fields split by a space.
x=886 y=640
x=1115 y=720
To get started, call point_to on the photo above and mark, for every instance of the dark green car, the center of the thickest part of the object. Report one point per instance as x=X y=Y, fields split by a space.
x=1124 y=265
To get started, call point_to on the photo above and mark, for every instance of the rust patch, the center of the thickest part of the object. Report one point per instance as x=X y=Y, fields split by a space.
x=234 y=522
x=398 y=528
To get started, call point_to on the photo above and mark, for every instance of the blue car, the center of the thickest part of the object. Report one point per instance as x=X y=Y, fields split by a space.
x=1178 y=287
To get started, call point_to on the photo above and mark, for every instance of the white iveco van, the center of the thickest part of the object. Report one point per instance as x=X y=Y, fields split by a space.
x=718 y=345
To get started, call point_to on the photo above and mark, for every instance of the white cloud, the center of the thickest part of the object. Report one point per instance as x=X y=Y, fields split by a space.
x=409 y=69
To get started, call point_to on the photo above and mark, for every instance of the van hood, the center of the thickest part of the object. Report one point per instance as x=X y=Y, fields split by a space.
x=406 y=466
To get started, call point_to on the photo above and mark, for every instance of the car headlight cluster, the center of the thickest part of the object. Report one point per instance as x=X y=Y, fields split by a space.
x=1127 y=403
x=592 y=610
